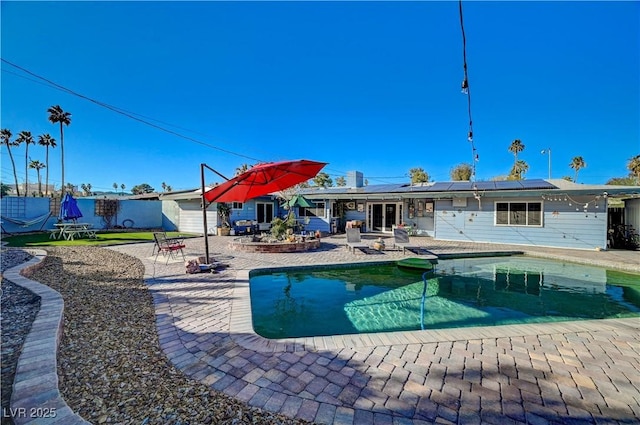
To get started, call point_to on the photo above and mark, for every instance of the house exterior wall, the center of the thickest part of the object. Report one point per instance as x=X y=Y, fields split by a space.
x=423 y=221
x=355 y=215
x=248 y=212
x=562 y=226
x=320 y=223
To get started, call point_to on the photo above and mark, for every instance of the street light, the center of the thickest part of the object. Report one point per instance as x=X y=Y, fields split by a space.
x=547 y=152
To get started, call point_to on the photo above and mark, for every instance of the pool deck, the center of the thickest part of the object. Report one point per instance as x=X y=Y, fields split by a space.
x=577 y=372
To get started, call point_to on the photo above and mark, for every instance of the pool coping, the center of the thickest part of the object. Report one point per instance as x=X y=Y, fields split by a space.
x=242 y=332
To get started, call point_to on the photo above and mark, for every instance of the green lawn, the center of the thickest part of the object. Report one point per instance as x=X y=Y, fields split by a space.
x=102 y=239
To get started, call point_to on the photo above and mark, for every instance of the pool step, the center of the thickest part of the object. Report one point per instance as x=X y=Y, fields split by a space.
x=425 y=262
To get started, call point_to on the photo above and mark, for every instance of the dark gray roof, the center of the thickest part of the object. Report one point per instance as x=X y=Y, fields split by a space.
x=491 y=185
x=438 y=187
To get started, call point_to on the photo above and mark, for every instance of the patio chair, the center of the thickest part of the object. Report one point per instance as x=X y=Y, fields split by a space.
x=169 y=247
x=354 y=241
x=401 y=239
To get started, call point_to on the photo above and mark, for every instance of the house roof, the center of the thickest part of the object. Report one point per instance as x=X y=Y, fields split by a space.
x=182 y=195
x=533 y=187
x=186 y=195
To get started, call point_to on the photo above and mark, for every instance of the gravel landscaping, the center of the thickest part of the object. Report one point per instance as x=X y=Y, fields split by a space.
x=110 y=365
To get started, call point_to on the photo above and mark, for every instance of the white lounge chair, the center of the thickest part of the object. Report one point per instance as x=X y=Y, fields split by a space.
x=354 y=241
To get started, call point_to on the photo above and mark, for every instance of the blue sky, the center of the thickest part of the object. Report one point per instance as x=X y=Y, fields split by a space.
x=368 y=86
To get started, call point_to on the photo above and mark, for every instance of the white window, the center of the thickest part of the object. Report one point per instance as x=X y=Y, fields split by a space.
x=318 y=211
x=518 y=214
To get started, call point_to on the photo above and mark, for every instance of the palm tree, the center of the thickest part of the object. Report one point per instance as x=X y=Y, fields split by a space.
x=241 y=169
x=37 y=165
x=26 y=138
x=322 y=179
x=519 y=168
x=5 y=133
x=515 y=148
x=57 y=115
x=47 y=141
x=634 y=166
x=122 y=186
x=577 y=163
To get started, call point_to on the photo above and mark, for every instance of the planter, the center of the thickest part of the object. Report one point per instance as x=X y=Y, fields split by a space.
x=378 y=245
x=244 y=245
x=224 y=231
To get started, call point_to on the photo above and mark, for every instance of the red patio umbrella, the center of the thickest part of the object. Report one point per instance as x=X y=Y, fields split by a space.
x=257 y=181
x=264 y=179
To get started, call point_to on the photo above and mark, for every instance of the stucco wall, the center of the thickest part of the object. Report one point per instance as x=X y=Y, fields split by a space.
x=170 y=215
x=141 y=214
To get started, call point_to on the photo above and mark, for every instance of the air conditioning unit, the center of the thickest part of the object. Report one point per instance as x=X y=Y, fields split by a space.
x=459 y=202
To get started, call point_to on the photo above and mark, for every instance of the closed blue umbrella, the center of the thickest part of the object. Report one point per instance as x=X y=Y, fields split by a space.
x=69 y=208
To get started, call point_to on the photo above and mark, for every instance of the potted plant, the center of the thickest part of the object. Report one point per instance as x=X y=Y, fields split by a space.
x=278 y=228
x=224 y=212
x=379 y=244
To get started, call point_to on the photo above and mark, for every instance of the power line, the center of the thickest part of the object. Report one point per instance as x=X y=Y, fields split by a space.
x=467 y=92
x=128 y=114
x=138 y=117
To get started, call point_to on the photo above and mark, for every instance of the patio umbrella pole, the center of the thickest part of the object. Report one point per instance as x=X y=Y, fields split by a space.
x=259 y=180
x=204 y=215
x=204 y=208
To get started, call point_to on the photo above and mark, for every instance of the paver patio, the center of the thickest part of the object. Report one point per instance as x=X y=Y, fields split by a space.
x=570 y=372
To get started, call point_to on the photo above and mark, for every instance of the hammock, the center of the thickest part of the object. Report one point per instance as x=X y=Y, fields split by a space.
x=27 y=222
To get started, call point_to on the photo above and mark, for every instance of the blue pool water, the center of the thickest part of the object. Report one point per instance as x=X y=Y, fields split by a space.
x=460 y=293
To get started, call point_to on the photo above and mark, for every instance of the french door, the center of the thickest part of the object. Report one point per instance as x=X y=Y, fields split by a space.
x=381 y=217
x=264 y=212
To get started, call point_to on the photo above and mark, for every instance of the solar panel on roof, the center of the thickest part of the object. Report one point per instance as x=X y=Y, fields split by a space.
x=537 y=184
x=488 y=185
x=460 y=186
x=504 y=184
x=439 y=187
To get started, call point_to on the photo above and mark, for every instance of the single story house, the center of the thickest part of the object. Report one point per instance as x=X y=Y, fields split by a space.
x=554 y=213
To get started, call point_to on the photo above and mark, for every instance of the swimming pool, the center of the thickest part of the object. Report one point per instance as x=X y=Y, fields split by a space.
x=368 y=298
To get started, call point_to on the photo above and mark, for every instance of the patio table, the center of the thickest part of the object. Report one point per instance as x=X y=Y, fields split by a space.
x=69 y=231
